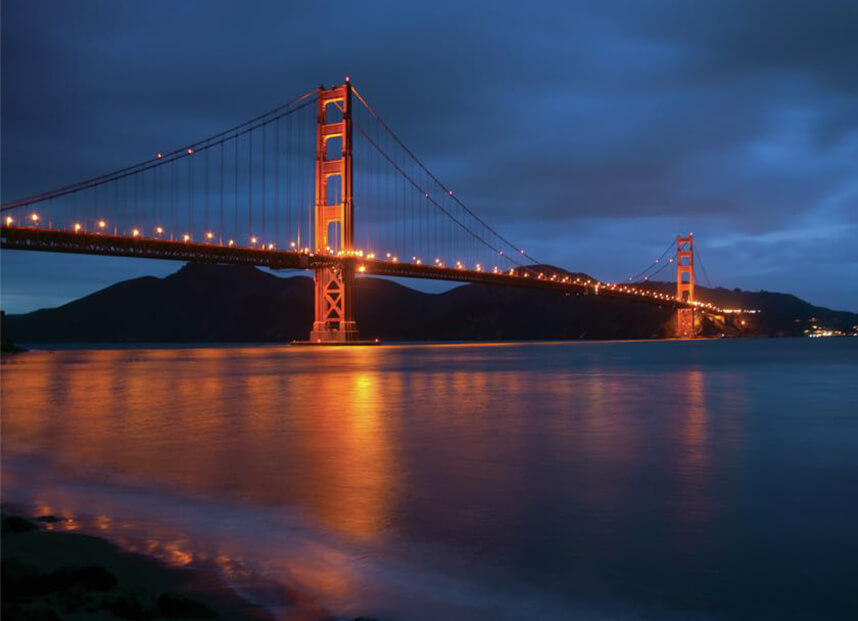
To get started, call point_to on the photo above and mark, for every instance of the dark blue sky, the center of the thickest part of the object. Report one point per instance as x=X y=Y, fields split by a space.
x=591 y=132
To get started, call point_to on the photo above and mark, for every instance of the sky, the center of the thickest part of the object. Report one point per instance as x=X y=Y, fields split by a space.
x=591 y=133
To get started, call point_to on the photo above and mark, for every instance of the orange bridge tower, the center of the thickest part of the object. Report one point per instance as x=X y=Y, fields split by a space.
x=334 y=218
x=685 y=285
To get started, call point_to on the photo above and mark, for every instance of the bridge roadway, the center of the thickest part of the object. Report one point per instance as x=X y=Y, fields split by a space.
x=43 y=240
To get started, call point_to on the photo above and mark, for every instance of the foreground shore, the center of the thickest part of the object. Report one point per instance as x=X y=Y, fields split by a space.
x=58 y=575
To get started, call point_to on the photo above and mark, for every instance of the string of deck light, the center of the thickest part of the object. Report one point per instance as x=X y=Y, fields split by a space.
x=117 y=193
x=369 y=259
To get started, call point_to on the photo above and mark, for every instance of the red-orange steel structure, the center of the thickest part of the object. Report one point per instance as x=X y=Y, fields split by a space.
x=334 y=220
x=147 y=211
x=685 y=285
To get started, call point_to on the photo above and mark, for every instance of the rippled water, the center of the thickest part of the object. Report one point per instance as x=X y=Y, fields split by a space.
x=516 y=481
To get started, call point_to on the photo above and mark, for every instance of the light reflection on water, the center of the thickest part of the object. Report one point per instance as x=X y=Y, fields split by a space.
x=480 y=481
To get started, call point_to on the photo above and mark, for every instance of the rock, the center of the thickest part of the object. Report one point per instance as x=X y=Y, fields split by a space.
x=16 y=524
x=50 y=519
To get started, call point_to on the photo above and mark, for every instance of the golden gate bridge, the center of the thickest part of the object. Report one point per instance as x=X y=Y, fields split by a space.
x=322 y=183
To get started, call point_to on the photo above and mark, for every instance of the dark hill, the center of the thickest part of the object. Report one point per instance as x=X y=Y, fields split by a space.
x=781 y=314
x=211 y=303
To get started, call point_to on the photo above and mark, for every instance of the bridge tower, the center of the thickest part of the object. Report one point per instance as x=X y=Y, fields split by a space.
x=685 y=285
x=334 y=218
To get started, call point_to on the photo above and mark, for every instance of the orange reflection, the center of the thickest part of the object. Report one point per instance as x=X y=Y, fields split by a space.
x=347 y=442
x=215 y=421
x=696 y=506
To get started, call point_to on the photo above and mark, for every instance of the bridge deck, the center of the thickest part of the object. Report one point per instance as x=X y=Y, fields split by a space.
x=35 y=239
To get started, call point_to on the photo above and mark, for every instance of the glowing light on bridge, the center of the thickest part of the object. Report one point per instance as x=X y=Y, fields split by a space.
x=177 y=198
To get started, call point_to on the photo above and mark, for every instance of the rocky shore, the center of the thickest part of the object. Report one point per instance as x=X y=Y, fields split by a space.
x=49 y=576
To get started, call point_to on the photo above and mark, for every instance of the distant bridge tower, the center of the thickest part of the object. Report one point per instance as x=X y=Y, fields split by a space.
x=685 y=285
x=334 y=218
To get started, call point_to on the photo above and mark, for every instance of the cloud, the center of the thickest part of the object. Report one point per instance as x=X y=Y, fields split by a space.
x=568 y=125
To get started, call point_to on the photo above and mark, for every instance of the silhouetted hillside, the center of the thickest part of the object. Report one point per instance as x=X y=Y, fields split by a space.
x=781 y=314
x=211 y=303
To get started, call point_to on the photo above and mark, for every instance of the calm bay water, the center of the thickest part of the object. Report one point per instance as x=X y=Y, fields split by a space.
x=512 y=481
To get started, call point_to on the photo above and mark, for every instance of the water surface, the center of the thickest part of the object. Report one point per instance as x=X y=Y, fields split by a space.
x=651 y=480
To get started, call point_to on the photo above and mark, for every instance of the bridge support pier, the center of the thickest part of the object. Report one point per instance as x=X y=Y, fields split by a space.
x=685 y=323
x=685 y=285
x=334 y=321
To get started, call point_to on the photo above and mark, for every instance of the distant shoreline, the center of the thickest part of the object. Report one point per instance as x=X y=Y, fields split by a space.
x=120 y=345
